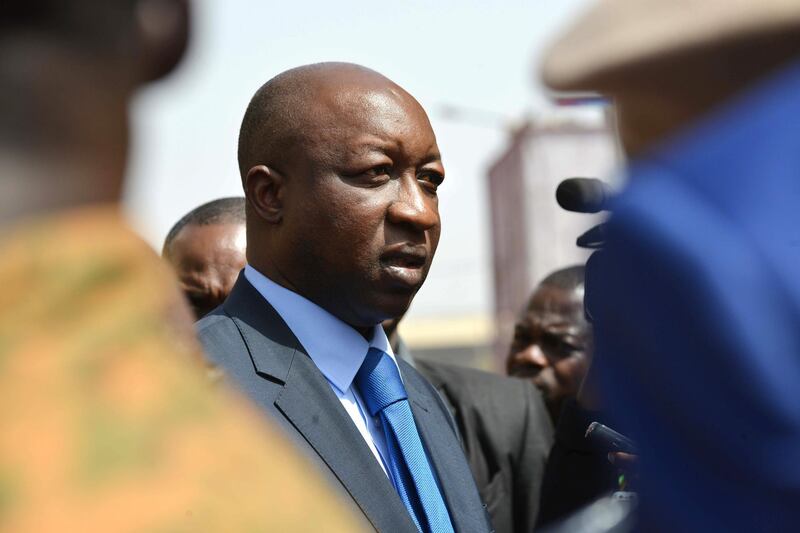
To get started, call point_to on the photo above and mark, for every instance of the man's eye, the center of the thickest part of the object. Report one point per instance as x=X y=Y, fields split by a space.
x=431 y=177
x=376 y=172
x=557 y=347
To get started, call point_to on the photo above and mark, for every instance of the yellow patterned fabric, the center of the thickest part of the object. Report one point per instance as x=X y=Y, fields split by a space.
x=107 y=422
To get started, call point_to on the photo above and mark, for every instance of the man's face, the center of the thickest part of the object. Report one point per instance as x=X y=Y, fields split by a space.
x=207 y=260
x=550 y=343
x=361 y=218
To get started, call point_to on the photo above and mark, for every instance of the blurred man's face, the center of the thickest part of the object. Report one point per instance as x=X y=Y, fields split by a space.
x=207 y=260
x=550 y=343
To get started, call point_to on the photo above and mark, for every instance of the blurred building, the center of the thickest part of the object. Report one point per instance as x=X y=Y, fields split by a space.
x=531 y=235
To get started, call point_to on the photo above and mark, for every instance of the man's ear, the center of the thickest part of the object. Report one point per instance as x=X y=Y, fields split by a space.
x=265 y=189
x=163 y=34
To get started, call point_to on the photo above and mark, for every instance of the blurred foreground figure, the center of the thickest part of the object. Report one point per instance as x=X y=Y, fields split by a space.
x=207 y=250
x=697 y=300
x=505 y=431
x=552 y=338
x=107 y=422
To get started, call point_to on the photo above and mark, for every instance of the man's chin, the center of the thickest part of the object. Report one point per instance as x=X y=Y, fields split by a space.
x=549 y=394
x=388 y=307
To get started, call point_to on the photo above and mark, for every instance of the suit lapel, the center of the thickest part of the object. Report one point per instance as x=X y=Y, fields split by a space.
x=307 y=401
x=444 y=450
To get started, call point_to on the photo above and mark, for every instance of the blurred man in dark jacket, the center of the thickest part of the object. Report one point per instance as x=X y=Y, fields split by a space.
x=552 y=339
x=699 y=277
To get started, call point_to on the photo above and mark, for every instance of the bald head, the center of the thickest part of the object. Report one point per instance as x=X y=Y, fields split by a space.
x=571 y=280
x=341 y=168
x=296 y=106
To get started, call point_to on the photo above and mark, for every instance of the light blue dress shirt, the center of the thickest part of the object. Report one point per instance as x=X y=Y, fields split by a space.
x=336 y=348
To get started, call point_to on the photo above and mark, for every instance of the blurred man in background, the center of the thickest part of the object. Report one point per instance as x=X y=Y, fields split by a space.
x=106 y=420
x=699 y=275
x=552 y=347
x=207 y=250
x=552 y=339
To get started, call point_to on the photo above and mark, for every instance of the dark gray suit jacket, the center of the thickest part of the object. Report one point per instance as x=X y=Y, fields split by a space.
x=507 y=436
x=247 y=338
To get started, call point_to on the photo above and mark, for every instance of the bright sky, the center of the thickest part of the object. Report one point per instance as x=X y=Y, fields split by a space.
x=471 y=54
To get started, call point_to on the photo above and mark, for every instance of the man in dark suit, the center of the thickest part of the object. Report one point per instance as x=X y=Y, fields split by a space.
x=504 y=426
x=340 y=168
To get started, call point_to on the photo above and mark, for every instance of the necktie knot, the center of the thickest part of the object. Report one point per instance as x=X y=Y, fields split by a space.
x=379 y=381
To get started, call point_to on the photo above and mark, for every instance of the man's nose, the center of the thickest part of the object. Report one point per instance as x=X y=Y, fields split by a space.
x=533 y=355
x=413 y=206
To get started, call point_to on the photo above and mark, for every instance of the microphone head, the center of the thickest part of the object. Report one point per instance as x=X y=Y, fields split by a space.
x=583 y=195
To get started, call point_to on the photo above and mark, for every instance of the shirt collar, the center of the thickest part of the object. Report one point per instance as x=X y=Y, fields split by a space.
x=336 y=348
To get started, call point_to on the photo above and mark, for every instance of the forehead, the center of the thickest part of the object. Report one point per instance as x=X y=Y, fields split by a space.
x=549 y=301
x=197 y=246
x=348 y=120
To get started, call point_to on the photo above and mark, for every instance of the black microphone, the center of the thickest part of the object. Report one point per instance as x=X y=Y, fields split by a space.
x=594 y=238
x=583 y=195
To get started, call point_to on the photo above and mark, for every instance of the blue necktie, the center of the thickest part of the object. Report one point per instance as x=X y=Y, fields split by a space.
x=379 y=382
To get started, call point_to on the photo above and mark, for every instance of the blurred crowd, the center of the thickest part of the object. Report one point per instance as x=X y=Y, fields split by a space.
x=253 y=377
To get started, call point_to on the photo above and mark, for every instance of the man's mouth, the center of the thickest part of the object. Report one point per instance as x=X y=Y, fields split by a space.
x=405 y=264
x=405 y=256
x=404 y=260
